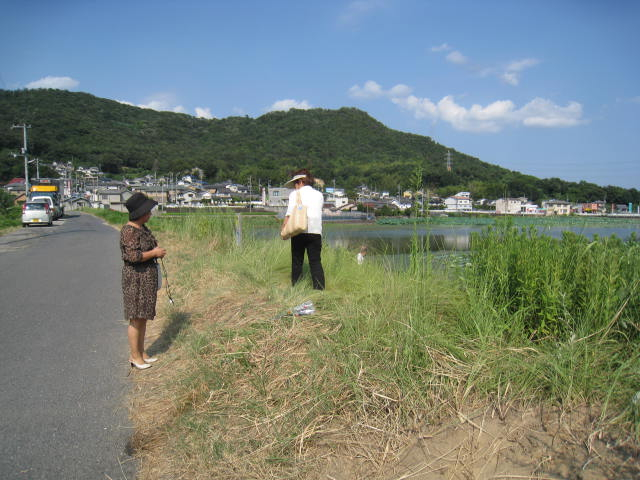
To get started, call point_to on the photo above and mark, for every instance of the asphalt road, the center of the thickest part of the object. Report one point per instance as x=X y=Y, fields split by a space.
x=63 y=353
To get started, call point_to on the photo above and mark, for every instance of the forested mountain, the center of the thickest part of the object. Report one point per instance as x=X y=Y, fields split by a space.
x=346 y=145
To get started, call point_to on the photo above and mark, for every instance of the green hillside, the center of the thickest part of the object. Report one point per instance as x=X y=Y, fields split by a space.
x=347 y=145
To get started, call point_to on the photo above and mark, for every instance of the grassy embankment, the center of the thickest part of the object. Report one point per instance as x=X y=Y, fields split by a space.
x=10 y=218
x=246 y=391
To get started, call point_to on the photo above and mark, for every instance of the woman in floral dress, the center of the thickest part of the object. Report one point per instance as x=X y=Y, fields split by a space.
x=139 y=275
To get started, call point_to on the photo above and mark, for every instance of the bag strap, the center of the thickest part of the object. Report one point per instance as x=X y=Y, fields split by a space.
x=299 y=198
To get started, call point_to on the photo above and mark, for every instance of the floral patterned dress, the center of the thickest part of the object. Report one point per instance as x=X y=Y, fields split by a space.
x=139 y=279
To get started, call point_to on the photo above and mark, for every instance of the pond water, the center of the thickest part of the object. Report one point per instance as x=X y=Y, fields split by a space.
x=396 y=239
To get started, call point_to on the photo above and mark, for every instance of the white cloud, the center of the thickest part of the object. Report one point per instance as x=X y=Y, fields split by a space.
x=202 y=112
x=519 y=65
x=511 y=75
x=162 y=102
x=60 y=83
x=162 y=106
x=421 y=107
x=457 y=58
x=239 y=111
x=636 y=99
x=511 y=78
x=358 y=9
x=454 y=56
x=495 y=116
x=372 y=90
x=400 y=90
x=441 y=48
x=474 y=119
x=540 y=112
x=288 y=104
x=490 y=118
x=166 y=102
x=477 y=118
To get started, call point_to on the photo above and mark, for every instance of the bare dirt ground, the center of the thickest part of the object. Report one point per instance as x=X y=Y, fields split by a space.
x=531 y=444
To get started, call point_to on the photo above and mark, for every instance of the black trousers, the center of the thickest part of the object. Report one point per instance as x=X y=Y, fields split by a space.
x=312 y=243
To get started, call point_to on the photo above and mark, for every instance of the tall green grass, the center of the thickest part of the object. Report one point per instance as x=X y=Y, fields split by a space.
x=215 y=228
x=556 y=288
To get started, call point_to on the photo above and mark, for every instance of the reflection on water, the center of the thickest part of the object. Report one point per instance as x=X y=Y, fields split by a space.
x=394 y=239
x=398 y=240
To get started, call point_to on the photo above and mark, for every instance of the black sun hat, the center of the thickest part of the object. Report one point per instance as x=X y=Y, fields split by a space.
x=139 y=204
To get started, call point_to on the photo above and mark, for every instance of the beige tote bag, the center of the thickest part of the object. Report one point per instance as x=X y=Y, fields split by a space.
x=297 y=222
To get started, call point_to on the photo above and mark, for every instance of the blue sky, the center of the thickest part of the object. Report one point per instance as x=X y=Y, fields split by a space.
x=549 y=88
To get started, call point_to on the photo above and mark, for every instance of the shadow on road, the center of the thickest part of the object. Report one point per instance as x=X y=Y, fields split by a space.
x=177 y=322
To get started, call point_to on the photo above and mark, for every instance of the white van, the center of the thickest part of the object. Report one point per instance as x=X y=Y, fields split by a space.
x=49 y=201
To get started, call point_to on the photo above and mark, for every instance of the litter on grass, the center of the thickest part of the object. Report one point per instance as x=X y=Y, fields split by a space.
x=305 y=308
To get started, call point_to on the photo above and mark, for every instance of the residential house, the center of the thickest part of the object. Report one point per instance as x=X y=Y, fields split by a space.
x=336 y=197
x=460 y=202
x=435 y=202
x=556 y=207
x=510 y=206
x=188 y=198
x=15 y=185
x=114 y=199
x=621 y=208
x=594 y=207
x=371 y=204
x=156 y=192
x=401 y=204
x=278 y=196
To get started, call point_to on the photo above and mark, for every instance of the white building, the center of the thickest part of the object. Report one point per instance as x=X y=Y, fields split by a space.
x=510 y=205
x=400 y=205
x=557 y=207
x=460 y=202
x=336 y=197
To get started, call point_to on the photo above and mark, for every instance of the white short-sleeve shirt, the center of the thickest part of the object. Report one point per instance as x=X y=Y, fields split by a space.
x=313 y=200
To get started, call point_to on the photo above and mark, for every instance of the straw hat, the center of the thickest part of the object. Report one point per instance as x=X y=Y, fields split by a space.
x=295 y=178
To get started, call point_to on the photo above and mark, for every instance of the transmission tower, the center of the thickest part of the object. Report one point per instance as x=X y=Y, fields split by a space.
x=448 y=161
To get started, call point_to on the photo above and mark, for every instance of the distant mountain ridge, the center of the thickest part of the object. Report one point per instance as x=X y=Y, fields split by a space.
x=347 y=145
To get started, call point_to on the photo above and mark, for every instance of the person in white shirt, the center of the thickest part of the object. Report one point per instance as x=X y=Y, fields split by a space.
x=311 y=240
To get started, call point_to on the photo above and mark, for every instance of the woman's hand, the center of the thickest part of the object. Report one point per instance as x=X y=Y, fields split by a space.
x=159 y=252
x=284 y=224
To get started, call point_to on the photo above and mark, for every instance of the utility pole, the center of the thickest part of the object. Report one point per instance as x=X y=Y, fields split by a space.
x=26 y=160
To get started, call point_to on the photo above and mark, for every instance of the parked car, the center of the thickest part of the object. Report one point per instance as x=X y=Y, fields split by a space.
x=36 y=213
x=55 y=207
